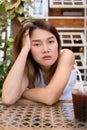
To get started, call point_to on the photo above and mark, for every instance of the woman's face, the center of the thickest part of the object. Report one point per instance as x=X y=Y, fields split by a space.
x=44 y=47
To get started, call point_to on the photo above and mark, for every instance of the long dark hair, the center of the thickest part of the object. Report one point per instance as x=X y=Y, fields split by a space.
x=32 y=67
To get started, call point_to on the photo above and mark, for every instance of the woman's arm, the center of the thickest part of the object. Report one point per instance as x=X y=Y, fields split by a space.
x=54 y=89
x=12 y=87
x=16 y=81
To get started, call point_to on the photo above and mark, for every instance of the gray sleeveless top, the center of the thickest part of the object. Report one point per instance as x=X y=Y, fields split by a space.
x=66 y=95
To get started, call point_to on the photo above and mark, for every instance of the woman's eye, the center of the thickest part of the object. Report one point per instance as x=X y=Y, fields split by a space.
x=36 y=44
x=52 y=41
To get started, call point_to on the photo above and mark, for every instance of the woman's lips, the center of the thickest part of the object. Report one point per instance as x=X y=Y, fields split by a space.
x=47 y=57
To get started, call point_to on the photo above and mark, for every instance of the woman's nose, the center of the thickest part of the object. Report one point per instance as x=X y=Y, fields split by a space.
x=45 y=49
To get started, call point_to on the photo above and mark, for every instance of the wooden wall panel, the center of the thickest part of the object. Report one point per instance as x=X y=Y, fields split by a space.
x=67 y=23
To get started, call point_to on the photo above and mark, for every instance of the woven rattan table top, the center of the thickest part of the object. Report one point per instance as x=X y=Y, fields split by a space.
x=27 y=115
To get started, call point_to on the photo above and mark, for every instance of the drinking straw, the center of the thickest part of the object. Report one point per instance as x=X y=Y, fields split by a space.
x=79 y=74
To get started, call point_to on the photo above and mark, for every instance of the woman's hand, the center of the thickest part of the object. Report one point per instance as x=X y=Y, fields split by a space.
x=26 y=40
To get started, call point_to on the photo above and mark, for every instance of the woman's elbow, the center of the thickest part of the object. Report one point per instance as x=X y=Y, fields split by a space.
x=51 y=100
x=50 y=103
x=7 y=100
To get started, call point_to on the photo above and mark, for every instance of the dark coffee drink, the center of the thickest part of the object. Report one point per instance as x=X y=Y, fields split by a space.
x=80 y=105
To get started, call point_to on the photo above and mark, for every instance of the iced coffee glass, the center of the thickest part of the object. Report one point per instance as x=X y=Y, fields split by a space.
x=79 y=98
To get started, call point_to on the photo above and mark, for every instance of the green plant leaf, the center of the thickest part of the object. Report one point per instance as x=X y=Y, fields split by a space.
x=12 y=16
x=16 y=4
x=10 y=12
x=2 y=6
x=19 y=10
x=11 y=6
x=20 y=19
x=11 y=39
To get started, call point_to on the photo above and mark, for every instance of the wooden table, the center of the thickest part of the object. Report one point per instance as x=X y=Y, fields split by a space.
x=28 y=115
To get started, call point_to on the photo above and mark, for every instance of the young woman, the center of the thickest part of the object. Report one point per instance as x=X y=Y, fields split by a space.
x=41 y=71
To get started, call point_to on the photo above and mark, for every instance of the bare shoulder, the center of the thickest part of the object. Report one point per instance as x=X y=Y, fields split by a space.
x=67 y=55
